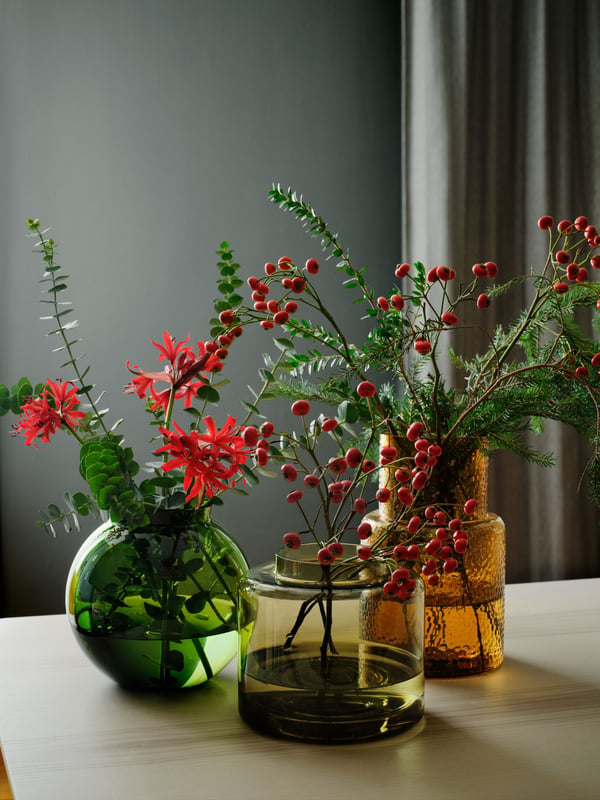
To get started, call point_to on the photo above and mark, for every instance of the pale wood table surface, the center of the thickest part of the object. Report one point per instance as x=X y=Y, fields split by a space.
x=529 y=730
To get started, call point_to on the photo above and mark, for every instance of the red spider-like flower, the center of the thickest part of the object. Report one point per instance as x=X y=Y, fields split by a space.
x=180 y=374
x=45 y=414
x=212 y=461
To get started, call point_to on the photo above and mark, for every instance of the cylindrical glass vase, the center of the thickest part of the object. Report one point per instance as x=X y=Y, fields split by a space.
x=464 y=613
x=156 y=607
x=325 y=655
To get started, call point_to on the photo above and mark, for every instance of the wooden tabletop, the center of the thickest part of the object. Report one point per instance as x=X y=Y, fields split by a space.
x=529 y=730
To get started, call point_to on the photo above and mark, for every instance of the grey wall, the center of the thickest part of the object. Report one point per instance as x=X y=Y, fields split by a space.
x=145 y=132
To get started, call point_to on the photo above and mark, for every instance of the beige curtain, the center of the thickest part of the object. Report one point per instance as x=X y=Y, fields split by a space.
x=501 y=125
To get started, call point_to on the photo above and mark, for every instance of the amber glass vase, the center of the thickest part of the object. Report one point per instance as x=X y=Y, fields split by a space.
x=464 y=613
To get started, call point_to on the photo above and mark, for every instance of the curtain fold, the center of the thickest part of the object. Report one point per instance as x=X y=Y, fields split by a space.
x=500 y=126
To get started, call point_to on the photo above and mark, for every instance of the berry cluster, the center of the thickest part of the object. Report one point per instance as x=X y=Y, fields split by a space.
x=342 y=487
x=571 y=254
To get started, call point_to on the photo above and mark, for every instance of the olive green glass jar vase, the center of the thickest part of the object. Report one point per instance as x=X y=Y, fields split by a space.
x=325 y=655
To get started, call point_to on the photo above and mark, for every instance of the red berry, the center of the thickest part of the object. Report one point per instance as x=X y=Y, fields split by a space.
x=292 y=540
x=439 y=518
x=329 y=424
x=289 y=472
x=262 y=457
x=413 y=552
x=400 y=552
x=383 y=304
x=403 y=474
x=491 y=268
x=270 y=268
x=260 y=305
x=291 y=307
x=563 y=257
x=364 y=530
x=383 y=495
x=581 y=223
x=250 y=436
x=325 y=556
x=450 y=565
x=388 y=452
x=433 y=546
x=310 y=481
x=368 y=465
x=422 y=346
x=364 y=552
x=353 y=457
x=454 y=524
x=360 y=505
x=432 y=275
x=281 y=317
x=470 y=506
x=298 y=285
x=266 y=429
x=572 y=272
x=461 y=546
x=446 y=552
x=582 y=372
x=430 y=512
x=595 y=262
x=433 y=580
x=254 y=283
x=391 y=589
x=582 y=275
x=479 y=271
x=295 y=496
x=227 y=317
x=285 y=263
x=565 y=226
x=483 y=301
x=414 y=523
x=441 y=534
x=545 y=223
x=402 y=270
x=596 y=360
x=449 y=318
x=560 y=287
x=337 y=465
x=405 y=496
x=397 y=302
x=366 y=389
x=300 y=408
x=419 y=480
x=445 y=273
x=414 y=431
x=336 y=548
x=312 y=266
x=401 y=574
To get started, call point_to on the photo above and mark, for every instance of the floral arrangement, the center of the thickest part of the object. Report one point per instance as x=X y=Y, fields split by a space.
x=540 y=365
x=199 y=461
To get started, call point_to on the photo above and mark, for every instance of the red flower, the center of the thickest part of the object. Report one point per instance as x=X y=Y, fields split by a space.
x=212 y=461
x=45 y=414
x=183 y=368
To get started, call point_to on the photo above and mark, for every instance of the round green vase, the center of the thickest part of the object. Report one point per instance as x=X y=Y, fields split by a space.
x=156 y=608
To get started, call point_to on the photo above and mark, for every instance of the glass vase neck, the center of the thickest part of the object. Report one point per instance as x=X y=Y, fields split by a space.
x=460 y=474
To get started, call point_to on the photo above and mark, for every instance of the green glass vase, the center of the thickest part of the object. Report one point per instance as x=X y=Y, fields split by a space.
x=156 y=607
x=325 y=655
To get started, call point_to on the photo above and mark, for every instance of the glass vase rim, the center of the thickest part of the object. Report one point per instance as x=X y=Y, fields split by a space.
x=302 y=567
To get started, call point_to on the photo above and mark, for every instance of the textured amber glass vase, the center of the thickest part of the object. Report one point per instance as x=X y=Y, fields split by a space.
x=326 y=656
x=156 y=607
x=464 y=613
